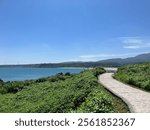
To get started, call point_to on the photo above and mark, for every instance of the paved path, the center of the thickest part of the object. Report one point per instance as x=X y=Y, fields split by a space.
x=111 y=69
x=137 y=100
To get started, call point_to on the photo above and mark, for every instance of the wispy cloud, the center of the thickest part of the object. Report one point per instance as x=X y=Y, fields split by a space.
x=97 y=56
x=135 y=43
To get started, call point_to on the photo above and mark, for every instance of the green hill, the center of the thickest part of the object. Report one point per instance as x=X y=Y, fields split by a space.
x=137 y=75
x=61 y=93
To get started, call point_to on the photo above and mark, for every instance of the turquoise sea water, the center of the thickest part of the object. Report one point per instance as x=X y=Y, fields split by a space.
x=20 y=73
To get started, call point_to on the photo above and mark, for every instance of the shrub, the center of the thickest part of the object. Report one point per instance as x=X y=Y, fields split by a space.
x=97 y=71
x=137 y=75
x=1 y=83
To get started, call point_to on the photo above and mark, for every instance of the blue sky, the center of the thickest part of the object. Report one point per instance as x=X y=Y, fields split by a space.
x=43 y=31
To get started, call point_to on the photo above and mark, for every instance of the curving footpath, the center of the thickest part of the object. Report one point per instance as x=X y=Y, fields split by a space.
x=137 y=100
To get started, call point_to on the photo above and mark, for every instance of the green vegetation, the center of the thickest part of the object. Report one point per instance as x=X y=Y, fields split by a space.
x=15 y=86
x=60 y=93
x=137 y=75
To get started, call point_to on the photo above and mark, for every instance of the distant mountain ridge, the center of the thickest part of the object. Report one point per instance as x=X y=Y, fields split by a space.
x=116 y=62
x=131 y=60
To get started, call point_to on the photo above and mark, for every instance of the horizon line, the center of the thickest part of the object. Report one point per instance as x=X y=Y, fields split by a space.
x=71 y=61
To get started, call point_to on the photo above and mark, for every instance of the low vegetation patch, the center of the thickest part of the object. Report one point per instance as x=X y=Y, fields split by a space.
x=137 y=75
x=61 y=93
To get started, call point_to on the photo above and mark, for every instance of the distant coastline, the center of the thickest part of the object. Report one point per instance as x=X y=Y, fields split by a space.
x=117 y=62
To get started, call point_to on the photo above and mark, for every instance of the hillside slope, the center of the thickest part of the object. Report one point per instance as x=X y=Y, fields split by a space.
x=61 y=94
x=137 y=75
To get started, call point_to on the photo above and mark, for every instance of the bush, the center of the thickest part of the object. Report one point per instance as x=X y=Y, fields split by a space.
x=137 y=75
x=68 y=74
x=1 y=83
x=97 y=102
x=97 y=71
x=41 y=80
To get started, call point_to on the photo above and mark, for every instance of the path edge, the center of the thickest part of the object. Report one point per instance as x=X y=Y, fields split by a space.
x=131 y=108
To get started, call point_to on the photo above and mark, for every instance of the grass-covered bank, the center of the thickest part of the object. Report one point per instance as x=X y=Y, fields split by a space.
x=137 y=75
x=60 y=93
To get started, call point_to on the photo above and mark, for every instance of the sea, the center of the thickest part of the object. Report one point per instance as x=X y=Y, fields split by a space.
x=23 y=73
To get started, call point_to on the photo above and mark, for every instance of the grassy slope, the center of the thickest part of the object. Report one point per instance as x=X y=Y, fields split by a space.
x=76 y=93
x=137 y=75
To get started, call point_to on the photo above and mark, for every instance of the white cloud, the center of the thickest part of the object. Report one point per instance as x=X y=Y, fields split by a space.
x=132 y=46
x=135 y=43
x=97 y=56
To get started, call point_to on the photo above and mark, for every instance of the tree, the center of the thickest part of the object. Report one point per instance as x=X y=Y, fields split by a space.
x=1 y=83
